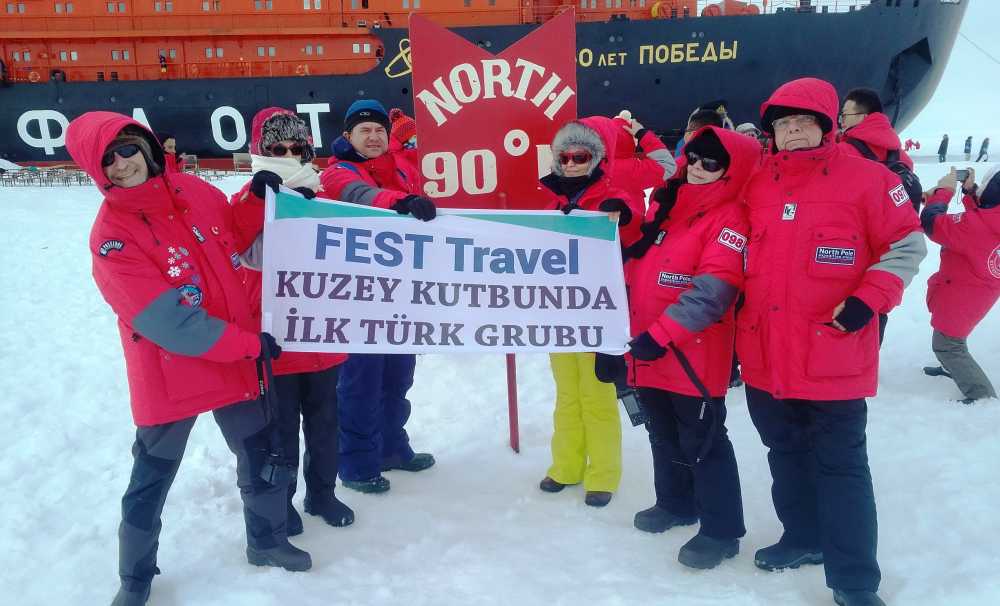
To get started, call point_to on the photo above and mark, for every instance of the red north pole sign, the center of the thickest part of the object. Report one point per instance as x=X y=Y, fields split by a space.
x=485 y=121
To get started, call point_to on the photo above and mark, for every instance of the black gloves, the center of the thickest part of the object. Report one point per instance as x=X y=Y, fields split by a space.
x=418 y=206
x=855 y=315
x=617 y=205
x=307 y=193
x=263 y=179
x=608 y=368
x=569 y=208
x=666 y=199
x=645 y=347
x=269 y=348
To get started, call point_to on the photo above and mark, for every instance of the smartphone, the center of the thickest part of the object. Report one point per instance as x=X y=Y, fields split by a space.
x=962 y=175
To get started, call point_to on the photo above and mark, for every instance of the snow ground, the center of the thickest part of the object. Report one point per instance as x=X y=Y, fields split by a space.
x=474 y=529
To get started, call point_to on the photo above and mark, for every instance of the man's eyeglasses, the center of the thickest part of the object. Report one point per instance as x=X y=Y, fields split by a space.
x=799 y=120
x=842 y=115
x=280 y=149
x=125 y=151
x=576 y=158
x=709 y=164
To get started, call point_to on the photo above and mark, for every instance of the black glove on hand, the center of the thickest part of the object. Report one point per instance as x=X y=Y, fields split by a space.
x=645 y=347
x=855 y=315
x=418 y=206
x=665 y=198
x=608 y=368
x=617 y=205
x=307 y=193
x=569 y=208
x=269 y=348
x=263 y=179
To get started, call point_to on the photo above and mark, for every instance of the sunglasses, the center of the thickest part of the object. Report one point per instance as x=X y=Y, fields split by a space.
x=709 y=164
x=280 y=149
x=125 y=151
x=577 y=158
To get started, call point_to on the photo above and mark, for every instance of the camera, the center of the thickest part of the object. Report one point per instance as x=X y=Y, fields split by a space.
x=630 y=400
x=962 y=175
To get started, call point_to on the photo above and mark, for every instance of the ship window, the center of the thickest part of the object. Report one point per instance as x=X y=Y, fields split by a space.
x=121 y=7
x=218 y=5
x=642 y=3
x=125 y=55
x=63 y=56
x=209 y=53
x=306 y=4
x=17 y=55
x=27 y=55
x=162 y=53
x=492 y=2
x=468 y=2
x=618 y=3
x=11 y=8
x=268 y=4
x=20 y=7
x=368 y=48
x=111 y=7
x=319 y=49
x=260 y=51
x=416 y=3
x=317 y=4
x=114 y=76
x=607 y=3
x=204 y=6
x=73 y=56
x=218 y=52
x=116 y=55
x=593 y=3
x=270 y=51
x=354 y=3
x=158 y=6
x=309 y=49
x=356 y=48
x=169 y=6
x=59 y=7
x=69 y=7
x=100 y=76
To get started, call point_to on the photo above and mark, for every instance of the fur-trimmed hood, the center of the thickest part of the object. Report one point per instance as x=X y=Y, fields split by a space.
x=597 y=134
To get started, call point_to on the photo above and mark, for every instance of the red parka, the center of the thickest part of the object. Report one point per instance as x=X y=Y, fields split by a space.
x=379 y=182
x=877 y=133
x=166 y=261
x=683 y=289
x=967 y=285
x=174 y=163
x=636 y=173
x=823 y=226
x=248 y=212
x=601 y=187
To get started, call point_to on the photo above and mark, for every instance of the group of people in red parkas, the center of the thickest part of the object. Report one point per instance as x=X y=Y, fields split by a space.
x=782 y=257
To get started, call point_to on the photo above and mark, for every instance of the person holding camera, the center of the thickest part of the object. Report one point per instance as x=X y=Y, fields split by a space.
x=967 y=285
x=683 y=279
x=165 y=261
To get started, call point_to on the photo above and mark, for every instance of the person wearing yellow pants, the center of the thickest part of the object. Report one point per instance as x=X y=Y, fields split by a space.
x=587 y=433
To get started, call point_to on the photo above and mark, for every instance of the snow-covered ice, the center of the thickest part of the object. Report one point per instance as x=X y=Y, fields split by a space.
x=474 y=529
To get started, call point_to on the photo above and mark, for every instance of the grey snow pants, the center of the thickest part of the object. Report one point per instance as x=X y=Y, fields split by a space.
x=953 y=353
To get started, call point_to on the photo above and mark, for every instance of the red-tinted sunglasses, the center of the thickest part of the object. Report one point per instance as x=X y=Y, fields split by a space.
x=709 y=164
x=125 y=151
x=577 y=158
x=280 y=149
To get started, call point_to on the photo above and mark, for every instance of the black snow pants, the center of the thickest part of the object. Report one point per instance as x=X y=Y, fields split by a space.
x=822 y=487
x=708 y=489
x=157 y=453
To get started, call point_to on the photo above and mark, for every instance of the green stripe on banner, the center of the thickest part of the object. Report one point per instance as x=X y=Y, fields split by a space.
x=600 y=228
x=288 y=206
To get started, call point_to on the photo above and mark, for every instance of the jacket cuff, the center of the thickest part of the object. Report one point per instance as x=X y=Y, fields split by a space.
x=234 y=344
x=665 y=331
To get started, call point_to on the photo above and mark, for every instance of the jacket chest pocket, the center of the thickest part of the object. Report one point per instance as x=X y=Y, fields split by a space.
x=836 y=252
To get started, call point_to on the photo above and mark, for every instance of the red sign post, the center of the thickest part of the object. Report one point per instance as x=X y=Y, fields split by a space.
x=485 y=121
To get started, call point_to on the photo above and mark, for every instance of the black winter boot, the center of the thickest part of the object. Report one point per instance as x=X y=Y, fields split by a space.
x=419 y=462
x=656 y=519
x=285 y=556
x=373 y=485
x=704 y=552
x=549 y=485
x=326 y=505
x=597 y=498
x=780 y=556
x=131 y=594
x=936 y=371
x=294 y=521
x=857 y=598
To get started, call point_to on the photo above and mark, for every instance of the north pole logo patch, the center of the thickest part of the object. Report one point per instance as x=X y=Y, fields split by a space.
x=994 y=263
x=733 y=240
x=898 y=195
x=835 y=256
x=672 y=280
x=110 y=245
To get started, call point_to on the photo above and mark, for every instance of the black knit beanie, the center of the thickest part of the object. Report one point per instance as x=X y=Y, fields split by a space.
x=708 y=145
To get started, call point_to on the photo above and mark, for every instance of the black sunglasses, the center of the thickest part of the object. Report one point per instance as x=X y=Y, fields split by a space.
x=709 y=164
x=125 y=151
x=280 y=149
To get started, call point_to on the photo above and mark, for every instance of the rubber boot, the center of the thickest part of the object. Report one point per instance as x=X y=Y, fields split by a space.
x=704 y=552
x=327 y=506
x=780 y=556
x=285 y=556
x=656 y=519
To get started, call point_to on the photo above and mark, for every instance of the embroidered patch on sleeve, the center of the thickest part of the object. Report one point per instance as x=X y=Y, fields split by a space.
x=110 y=245
x=898 y=195
x=733 y=240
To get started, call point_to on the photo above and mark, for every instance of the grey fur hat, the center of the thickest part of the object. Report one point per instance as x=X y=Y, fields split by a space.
x=577 y=134
x=286 y=127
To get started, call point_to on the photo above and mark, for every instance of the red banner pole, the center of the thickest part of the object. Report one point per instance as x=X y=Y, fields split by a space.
x=515 y=436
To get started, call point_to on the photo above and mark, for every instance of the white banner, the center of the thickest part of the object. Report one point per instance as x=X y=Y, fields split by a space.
x=347 y=278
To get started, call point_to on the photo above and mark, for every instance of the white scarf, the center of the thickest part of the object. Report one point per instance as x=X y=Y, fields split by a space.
x=292 y=172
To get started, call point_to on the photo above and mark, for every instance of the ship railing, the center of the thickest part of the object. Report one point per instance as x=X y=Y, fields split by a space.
x=814 y=6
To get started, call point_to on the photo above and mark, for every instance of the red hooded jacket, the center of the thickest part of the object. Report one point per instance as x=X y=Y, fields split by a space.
x=174 y=163
x=967 y=285
x=876 y=132
x=823 y=226
x=379 y=182
x=683 y=289
x=636 y=173
x=601 y=187
x=248 y=211
x=166 y=261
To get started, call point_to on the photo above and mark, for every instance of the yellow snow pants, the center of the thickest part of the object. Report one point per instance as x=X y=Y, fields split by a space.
x=587 y=432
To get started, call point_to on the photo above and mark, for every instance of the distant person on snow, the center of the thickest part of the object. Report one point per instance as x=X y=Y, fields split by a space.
x=911 y=145
x=984 y=151
x=174 y=161
x=369 y=169
x=943 y=149
x=967 y=285
x=281 y=153
x=968 y=148
x=683 y=278
x=162 y=250
x=833 y=241
x=586 y=433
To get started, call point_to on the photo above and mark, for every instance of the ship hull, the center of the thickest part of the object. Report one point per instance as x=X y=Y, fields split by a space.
x=658 y=69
